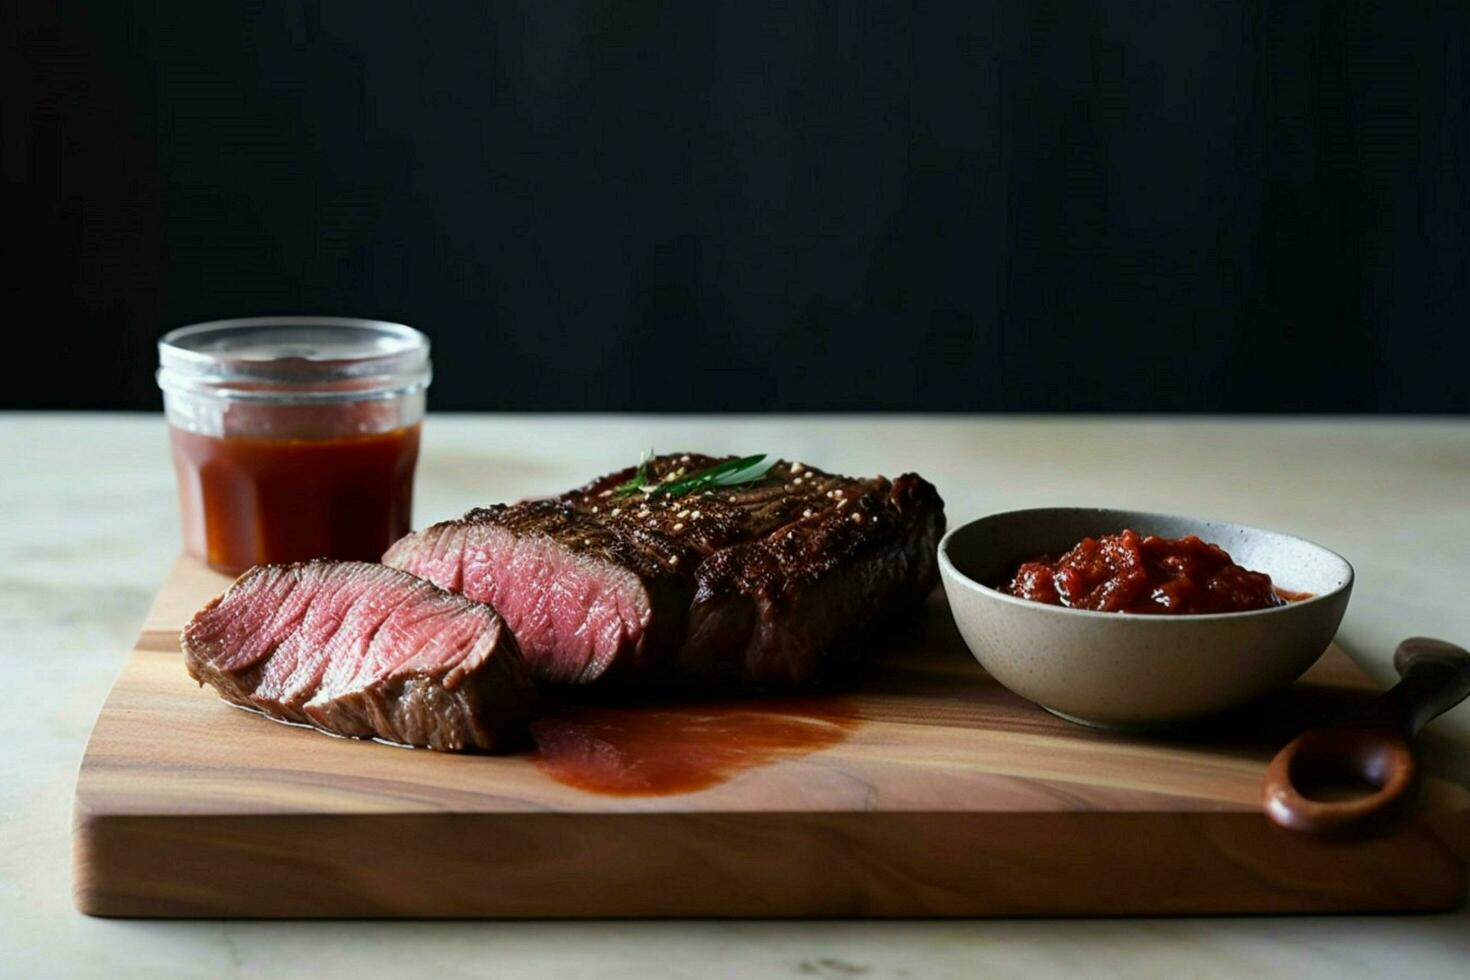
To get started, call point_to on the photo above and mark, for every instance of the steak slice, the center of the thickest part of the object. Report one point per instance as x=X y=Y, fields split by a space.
x=365 y=651
x=771 y=584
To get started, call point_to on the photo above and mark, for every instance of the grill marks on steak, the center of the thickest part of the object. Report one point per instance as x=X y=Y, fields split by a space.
x=363 y=650
x=763 y=585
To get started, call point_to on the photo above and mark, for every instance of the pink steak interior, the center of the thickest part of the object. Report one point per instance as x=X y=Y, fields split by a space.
x=570 y=613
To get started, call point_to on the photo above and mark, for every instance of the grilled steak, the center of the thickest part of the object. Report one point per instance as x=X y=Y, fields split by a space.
x=768 y=584
x=366 y=651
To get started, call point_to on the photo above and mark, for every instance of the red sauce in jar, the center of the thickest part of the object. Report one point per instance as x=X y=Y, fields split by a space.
x=251 y=500
x=1127 y=572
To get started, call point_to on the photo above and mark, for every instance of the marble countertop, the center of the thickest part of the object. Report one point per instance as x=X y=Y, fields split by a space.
x=90 y=530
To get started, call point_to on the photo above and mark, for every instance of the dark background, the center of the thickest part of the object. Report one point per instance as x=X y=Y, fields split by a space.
x=611 y=204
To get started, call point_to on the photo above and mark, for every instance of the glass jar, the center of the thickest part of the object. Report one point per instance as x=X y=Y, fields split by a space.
x=293 y=437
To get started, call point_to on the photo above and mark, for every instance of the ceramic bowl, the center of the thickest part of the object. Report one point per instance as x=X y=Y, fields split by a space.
x=1129 y=671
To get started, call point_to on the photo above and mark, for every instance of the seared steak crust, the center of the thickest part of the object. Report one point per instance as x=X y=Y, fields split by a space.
x=770 y=584
x=365 y=651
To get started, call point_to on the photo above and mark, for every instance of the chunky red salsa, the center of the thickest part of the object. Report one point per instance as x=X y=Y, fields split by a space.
x=1127 y=572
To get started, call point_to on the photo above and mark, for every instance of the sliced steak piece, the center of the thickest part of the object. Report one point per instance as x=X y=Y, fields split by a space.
x=767 y=585
x=365 y=651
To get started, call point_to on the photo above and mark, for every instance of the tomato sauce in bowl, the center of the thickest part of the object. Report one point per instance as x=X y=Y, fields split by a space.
x=1131 y=573
x=1081 y=649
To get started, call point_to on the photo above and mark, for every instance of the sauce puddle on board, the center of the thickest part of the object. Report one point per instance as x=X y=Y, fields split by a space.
x=662 y=749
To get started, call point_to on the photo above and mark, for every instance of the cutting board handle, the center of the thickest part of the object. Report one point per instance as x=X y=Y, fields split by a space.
x=1361 y=778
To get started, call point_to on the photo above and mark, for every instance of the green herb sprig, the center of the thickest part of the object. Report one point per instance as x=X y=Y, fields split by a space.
x=639 y=479
x=746 y=469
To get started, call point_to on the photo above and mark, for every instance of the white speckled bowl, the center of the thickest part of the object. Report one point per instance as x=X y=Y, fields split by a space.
x=1127 y=671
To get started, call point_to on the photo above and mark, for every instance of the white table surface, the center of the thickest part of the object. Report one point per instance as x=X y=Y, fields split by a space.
x=88 y=531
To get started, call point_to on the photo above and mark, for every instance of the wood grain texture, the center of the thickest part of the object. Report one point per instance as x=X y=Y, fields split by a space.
x=949 y=797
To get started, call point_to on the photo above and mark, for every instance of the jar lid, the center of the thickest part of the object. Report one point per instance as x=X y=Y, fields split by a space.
x=295 y=358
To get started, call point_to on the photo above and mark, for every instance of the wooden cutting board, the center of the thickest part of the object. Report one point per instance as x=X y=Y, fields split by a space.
x=925 y=789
